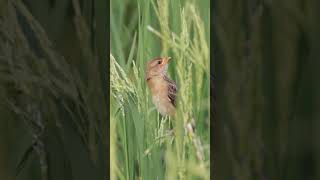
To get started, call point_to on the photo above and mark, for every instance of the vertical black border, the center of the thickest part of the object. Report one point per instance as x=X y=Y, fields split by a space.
x=108 y=88
x=213 y=87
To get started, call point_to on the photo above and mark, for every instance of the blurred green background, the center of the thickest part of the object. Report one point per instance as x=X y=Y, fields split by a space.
x=53 y=106
x=267 y=69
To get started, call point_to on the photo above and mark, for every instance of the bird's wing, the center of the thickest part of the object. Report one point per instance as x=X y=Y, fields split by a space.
x=172 y=90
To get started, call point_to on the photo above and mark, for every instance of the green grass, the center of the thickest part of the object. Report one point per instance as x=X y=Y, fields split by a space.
x=140 y=145
x=52 y=106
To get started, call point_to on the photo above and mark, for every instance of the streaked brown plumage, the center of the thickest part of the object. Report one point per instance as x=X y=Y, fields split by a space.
x=163 y=89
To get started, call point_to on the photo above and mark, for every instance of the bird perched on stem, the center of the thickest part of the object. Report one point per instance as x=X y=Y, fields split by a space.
x=163 y=89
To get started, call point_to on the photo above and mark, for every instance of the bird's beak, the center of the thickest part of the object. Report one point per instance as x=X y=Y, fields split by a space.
x=166 y=60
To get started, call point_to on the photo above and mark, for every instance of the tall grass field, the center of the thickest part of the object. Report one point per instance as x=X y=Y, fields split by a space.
x=143 y=146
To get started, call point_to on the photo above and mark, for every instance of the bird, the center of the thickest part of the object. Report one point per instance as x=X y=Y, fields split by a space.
x=163 y=89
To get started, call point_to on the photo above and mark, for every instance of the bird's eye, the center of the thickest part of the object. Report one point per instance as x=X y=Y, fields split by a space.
x=159 y=62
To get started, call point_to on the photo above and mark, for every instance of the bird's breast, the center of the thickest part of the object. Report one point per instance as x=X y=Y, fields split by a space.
x=163 y=104
x=160 y=98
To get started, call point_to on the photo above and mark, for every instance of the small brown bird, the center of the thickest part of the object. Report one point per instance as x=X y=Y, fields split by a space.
x=163 y=89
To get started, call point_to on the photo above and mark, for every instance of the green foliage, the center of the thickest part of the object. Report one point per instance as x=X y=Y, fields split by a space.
x=267 y=89
x=141 y=147
x=52 y=99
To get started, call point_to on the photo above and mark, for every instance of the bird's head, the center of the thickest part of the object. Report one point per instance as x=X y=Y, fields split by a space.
x=157 y=66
